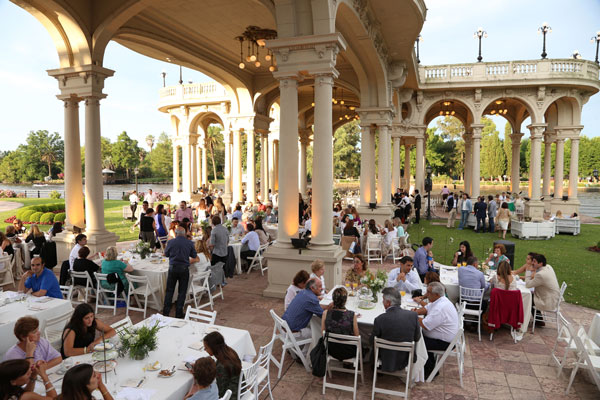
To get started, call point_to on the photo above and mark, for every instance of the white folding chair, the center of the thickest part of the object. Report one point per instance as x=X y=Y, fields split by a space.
x=264 y=359
x=105 y=296
x=205 y=317
x=473 y=298
x=53 y=328
x=539 y=315
x=163 y=241
x=407 y=347
x=396 y=250
x=67 y=292
x=6 y=275
x=258 y=258
x=565 y=338
x=199 y=284
x=282 y=332
x=87 y=289
x=456 y=348
x=374 y=250
x=227 y=395
x=248 y=383
x=144 y=289
x=119 y=326
x=357 y=363
x=585 y=360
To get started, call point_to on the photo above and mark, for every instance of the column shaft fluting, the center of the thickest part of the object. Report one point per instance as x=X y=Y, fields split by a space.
x=367 y=166
x=237 y=167
x=250 y=168
x=559 y=168
x=384 y=175
x=94 y=210
x=574 y=169
x=535 y=167
x=396 y=165
x=175 y=168
x=419 y=173
x=547 y=167
x=73 y=179
x=515 y=173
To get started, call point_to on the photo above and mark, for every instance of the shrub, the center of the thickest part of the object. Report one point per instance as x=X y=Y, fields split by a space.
x=26 y=216
x=22 y=211
x=47 y=218
x=55 y=194
x=22 y=195
x=35 y=217
x=60 y=217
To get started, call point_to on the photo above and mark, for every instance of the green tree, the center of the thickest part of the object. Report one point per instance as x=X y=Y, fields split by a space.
x=346 y=156
x=160 y=159
x=508 y=147
x=44 y=147
x=213 y=138
x=150 y=140
x=493 y=159
x=125 y=153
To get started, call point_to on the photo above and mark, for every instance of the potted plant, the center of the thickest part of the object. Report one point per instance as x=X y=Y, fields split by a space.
x=138 y=342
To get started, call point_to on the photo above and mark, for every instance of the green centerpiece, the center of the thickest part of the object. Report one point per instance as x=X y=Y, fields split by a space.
x=138 y=342
x=143 y=249
x=375 y=283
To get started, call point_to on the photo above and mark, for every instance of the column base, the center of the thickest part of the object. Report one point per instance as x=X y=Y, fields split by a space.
x=379 y=214
x=567 y=207
x=98 y=242
x=64 y=244
x=285 y=262
x=178 y=197
x=227 y=198
x=534 y=209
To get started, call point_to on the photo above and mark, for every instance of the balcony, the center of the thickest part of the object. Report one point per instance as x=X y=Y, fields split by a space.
x=191 y=94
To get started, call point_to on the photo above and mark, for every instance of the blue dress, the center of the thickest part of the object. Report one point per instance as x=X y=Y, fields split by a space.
x=160 y=227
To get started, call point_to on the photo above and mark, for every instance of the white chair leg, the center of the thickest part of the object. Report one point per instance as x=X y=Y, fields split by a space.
x=572 y=377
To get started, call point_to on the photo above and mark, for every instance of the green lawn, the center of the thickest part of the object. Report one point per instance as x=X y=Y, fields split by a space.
x=567 y=254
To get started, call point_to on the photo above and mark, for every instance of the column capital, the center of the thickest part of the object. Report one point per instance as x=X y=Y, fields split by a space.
x=516 y=137
x=537 y=130
x=377 y=116
x=82 y=81
x=568 y=132
x=476 y=129
x=467 y=137
x=304 y=136
x=325 y=78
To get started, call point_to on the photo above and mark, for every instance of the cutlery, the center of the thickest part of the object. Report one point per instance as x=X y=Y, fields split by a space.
x=139 y=383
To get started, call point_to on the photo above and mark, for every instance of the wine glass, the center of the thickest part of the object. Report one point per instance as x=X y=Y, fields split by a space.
x=178 y=343
x=354 y=286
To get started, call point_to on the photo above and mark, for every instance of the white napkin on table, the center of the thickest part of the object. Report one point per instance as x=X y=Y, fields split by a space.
x=135 y=394
x=157 y=318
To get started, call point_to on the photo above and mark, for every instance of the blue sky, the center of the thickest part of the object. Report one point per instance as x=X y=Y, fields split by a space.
x=28 y=99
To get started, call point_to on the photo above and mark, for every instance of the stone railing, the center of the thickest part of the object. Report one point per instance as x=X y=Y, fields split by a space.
x=208 y=92
x=506 y=71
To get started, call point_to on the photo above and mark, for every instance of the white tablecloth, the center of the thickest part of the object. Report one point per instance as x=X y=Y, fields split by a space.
x=594 y=331
x=10 y=313
x=175 y=387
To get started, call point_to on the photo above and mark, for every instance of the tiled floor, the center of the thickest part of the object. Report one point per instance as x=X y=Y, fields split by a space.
x=497 y=370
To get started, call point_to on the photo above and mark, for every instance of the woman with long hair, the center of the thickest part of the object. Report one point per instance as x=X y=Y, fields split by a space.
x=358 y=270
x=263 y=236
x=350 y=229
x=503 y=218
x=159 y=218
x=79 y=335
x=17 y=381
x=463 y=253
x=6 y=245
x=504 y=278
x=38 y=239
x=79 y=383
x=202 y=211
x=229 y=365
x=203 y=251
x=528 y=262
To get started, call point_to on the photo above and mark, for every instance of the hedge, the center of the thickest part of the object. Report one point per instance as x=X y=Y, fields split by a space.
x=35 y=217
x=60 y=217
x=26 y=216
x=47 y=217
x=43 y=213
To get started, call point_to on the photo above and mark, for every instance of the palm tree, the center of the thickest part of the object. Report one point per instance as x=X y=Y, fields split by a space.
x=48 y=157
x=150 y=141
x=211 y=142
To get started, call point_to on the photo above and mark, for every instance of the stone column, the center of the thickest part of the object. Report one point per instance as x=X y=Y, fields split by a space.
x=515 y=173
x=204 y=166
x=198 y=166
x=237 y=167
x=396 y=165
x=534 y=208
x=194 y=168
x=227 y=191
x=271 y=166
x=420 y=173
x=185 y=167
x=574 y=168
x=175 y=168
x=468 y=173
x=407 y=172
x=73 y=180
x=250 y=168
x=384 y=175
x=302 y=168
x=547 y=166
x=264 y=167
x=476 y=162
x=275 y=165
x=94 y=210
x=559 y=168
x=367 y=166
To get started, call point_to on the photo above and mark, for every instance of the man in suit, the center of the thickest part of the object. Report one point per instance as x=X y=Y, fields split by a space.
x=480 y=210
x=396 y=325
x=543 y=279
x=417 y=206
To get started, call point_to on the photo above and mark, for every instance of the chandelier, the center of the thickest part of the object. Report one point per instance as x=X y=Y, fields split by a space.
x=499 y=108
x=447 y=109
x=255 y=38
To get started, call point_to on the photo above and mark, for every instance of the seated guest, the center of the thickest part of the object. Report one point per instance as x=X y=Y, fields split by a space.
x=420 y=260
x=350 y=229
x=31 y=346
x=543 y=279
x=497 y=256
x=252 y=241
x=396 y=325
x=202 y=251
x=79 y=335
x=110 y=265
x=6 y=245
x=17 y=381
x=341 y=321
x=358 y=270
x=40 y=281
x=205 y=386
x=270 y=218
x=236 y=228
x=303 y=307
x=504 y=278
x=183 y=212
x=81 y=381
x=238 y=212
x=297 y=285
x=431 y=276
x=260 y=231
x=526 y=268
x=440 y=323
x=219 y=239
x=399 y=228
x=80 y=241
x=57 y=228
x=11 y=234
x=470 y=277
x=82 y=264
x=404 y=278
x=318 y=272
x=463 y=253
x=38 y=239
x=18 y=225
x=228 y=365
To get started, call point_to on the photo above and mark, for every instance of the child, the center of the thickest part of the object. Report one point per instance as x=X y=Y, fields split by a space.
x=318 y=271
x=430 y=260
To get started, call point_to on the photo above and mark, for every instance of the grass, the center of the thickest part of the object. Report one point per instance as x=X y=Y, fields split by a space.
x=567 y=254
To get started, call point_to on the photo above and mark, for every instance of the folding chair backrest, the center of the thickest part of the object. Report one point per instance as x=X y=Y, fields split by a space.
x=122 y=324
x=66 y=291
x=247 y=386
x=264 y=354
x=395 y=346
x=81 y=275
x=227 y=395
x=141 y=279
x=206 y=317
x=55 y=325
x=373 y=243
x=350 y=340
x=584 y=356
x=282 y=330
x=561 y=298
x=200 y=278
x=100 y=278
x=471 y=296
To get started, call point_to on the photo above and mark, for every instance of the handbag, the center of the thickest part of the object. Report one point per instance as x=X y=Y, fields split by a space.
x=318 y=357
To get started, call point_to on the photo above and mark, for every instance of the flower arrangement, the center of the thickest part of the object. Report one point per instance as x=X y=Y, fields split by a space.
x=138 y=342
x=227 y=224
x=204 y=224
x=143 y=249
x=375 y=283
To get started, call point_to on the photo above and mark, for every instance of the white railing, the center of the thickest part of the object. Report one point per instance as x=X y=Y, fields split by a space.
x=497 y=69
x=193 y=91
x=461 y=70
x=524 y=68
x=566 y=66
x=435 y=72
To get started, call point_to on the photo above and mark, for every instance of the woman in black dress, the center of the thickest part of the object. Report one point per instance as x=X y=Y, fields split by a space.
x=38 y=240
x=341 y=321
x=79 y=335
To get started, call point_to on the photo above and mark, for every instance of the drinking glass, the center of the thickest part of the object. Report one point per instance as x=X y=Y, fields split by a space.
x=402 y=293
x=178 y=343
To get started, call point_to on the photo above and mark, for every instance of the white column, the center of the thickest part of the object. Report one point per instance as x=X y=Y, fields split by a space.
x=302 y=168
x=198 y=166
x=175 y=168
x=574 y=168
x=476 y=162
x=250 y=168
x=94 y=210
x=271 y=166
x=227 y=137
x=275 y=165
x=73 y=180
x=367 y=166
x=384 y=175
x=237 y=167
x=468 y=174
x=420 y=172
x=407 y=172
x=185 y=167
x=204 y=166
x=194 y=168
x=396 y=165
x=547 y=165
x=322 y=180
x=288 y=156
x=535 y=165
x=559 y=168
x=515 y=173
x=264 y=167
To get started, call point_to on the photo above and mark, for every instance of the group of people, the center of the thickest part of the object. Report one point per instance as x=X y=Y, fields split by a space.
x=495 y=211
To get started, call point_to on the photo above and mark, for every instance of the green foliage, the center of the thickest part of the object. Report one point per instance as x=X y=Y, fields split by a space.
x=508 y=147
x=138 y=342
x=160 y=159
x=493 y=159
x=47 y=217
x=60 y=217
x=125 y=153
x=35 y=217
x=346 y=154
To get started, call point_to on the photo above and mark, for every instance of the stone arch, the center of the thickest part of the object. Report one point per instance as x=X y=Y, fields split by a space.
x=203 y=119
x=568 y=111
x=175 y=124
x=464 y=111
x=518 y=114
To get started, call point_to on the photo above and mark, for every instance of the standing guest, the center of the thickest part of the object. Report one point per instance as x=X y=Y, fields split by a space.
x=451 y=209
x=79 y=335
x=133 y=202
x=32 y=346
x=465 y=210
x=252 y=241
x=228 y=366
x=543 y=278
x=298 y=284
x=148 y=232
x=358 y=271
x=303 y=307
x=17 y=381
x=341 y=321
x=38 y=239
x=40 y=281
x=202 y=211
x=81 y=381
x=480 y=211
x=396 y=325
x=150 y=197
x=492 y=210
x=301 y=207
x=167 y=217
x=80 y=241
x=497 y=256
x=471 y=277
x=417 y=206
x=445 y=192
x=110 y=265
x=463 y=253
x=318 y=272
x=181 y=253
x=503 y=219
x=83 y=264
x=440 y=323
x=219 y=240
x=236 y=228
x=209 y=202
x=145 y=207
x=205 y=387
x=421 y=255
x=183 y=212
x=161 y=226
x=404 y=278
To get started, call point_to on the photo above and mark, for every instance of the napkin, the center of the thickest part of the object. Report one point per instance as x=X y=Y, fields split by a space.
x=37 y=307
x=43 y=299
x=130 y=393
x=196 y=346
x=157 y=318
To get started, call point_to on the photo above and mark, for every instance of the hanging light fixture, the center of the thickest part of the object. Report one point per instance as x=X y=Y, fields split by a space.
x=256 y=38
x=499 y=108
x=342 y=101
x=241 y=64
x=447 y=109
x=313 y=96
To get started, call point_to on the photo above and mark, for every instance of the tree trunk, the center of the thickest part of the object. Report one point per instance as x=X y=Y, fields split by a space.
x=49 y=169
x=212 y=157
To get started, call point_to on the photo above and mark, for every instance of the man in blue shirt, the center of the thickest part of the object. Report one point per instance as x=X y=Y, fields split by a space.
x=40 y=281
x=420 y=259
x=470 y=277
x=181 y=253
x=303 y=307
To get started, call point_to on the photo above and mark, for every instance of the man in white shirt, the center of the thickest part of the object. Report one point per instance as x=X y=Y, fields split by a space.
x=236 y=228
x=440 y=323
x=404 y=278
x=308 y=224
x=80 y=241
x=253 y=242
x=150 y=197
x=133 y=202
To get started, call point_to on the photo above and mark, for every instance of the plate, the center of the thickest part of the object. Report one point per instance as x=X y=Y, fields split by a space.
x=153 y=367
x=100 y=346
x=166 y=373
x=110 y=366
x=366 y=305
x=110 y=355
